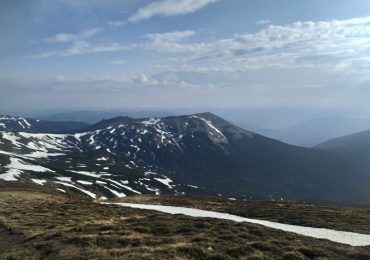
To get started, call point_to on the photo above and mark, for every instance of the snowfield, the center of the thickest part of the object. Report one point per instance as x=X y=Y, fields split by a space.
x=17 y=166
x=348 y=238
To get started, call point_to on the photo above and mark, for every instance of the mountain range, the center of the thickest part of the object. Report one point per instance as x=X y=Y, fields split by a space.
x=19 y=124
x=199 y=154
x=355 y=141
x=92 y=117
x=316 y=131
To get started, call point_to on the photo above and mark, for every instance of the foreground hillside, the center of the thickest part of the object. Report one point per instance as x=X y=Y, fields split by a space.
x=41 y=223
x=199 y=154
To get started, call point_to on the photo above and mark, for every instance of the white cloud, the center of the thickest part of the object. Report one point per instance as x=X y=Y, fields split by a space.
x=169 y=8
x=175 y=36
x=143 y=79
x=119 y=61
x=334 y=45
x=171 y=42
x=82 y=47
x=263 y=22
x=135 y=80
x=117 y=23
x=65 y=37
x=158 y=42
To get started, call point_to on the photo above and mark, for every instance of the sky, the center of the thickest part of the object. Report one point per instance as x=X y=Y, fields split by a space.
x=110 y=54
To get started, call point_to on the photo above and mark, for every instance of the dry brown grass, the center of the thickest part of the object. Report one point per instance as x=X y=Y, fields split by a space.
x=47 y=225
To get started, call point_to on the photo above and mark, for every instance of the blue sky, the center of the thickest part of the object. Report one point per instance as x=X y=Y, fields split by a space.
x=184 y=53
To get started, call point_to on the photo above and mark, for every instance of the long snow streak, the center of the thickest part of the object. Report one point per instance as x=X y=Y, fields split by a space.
x=349 y=238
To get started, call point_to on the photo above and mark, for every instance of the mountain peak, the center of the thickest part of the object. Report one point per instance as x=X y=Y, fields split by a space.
x=109 y=122
x=206 y=114
x=167 y=154
x=210 y=116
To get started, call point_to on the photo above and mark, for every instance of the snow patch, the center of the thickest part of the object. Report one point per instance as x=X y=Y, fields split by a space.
x=118 y=194
x=349 y=238
x=65 y=179
x=92 y=195
x=166 y=181
x=84 y=182
x=18 y=166
x=38 y=181
x=91 y=174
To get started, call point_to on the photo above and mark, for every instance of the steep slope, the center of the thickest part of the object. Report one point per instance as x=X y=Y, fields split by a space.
x=196 y=154
x=19 y=124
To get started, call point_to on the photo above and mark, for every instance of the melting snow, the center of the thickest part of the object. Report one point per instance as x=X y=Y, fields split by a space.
x=157 y=191
x=166 y=181
x=47 y=141
x=17 y=166
x=39 y=154
x=66 y=179
x=84 y=182
x=38 y=181
x=92 y=195
x=349 y=238
x=131 y=189
x=118 y=194
x=91 y=174
x=12 y=138
x=210 y=125
x=151 y=121
x=150 y=173
x=26 y=122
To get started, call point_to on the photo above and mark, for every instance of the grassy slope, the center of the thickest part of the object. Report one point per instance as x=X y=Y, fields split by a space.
x=45 y=224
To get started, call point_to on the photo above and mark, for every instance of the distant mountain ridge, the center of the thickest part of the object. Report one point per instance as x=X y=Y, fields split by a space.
x=359 y=140
x=193 y=154
x=355 y=147
x=20 y=124
x=313 y=132
x=93 y=117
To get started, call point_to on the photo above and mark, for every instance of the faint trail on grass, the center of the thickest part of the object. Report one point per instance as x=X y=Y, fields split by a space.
x=348 y=238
